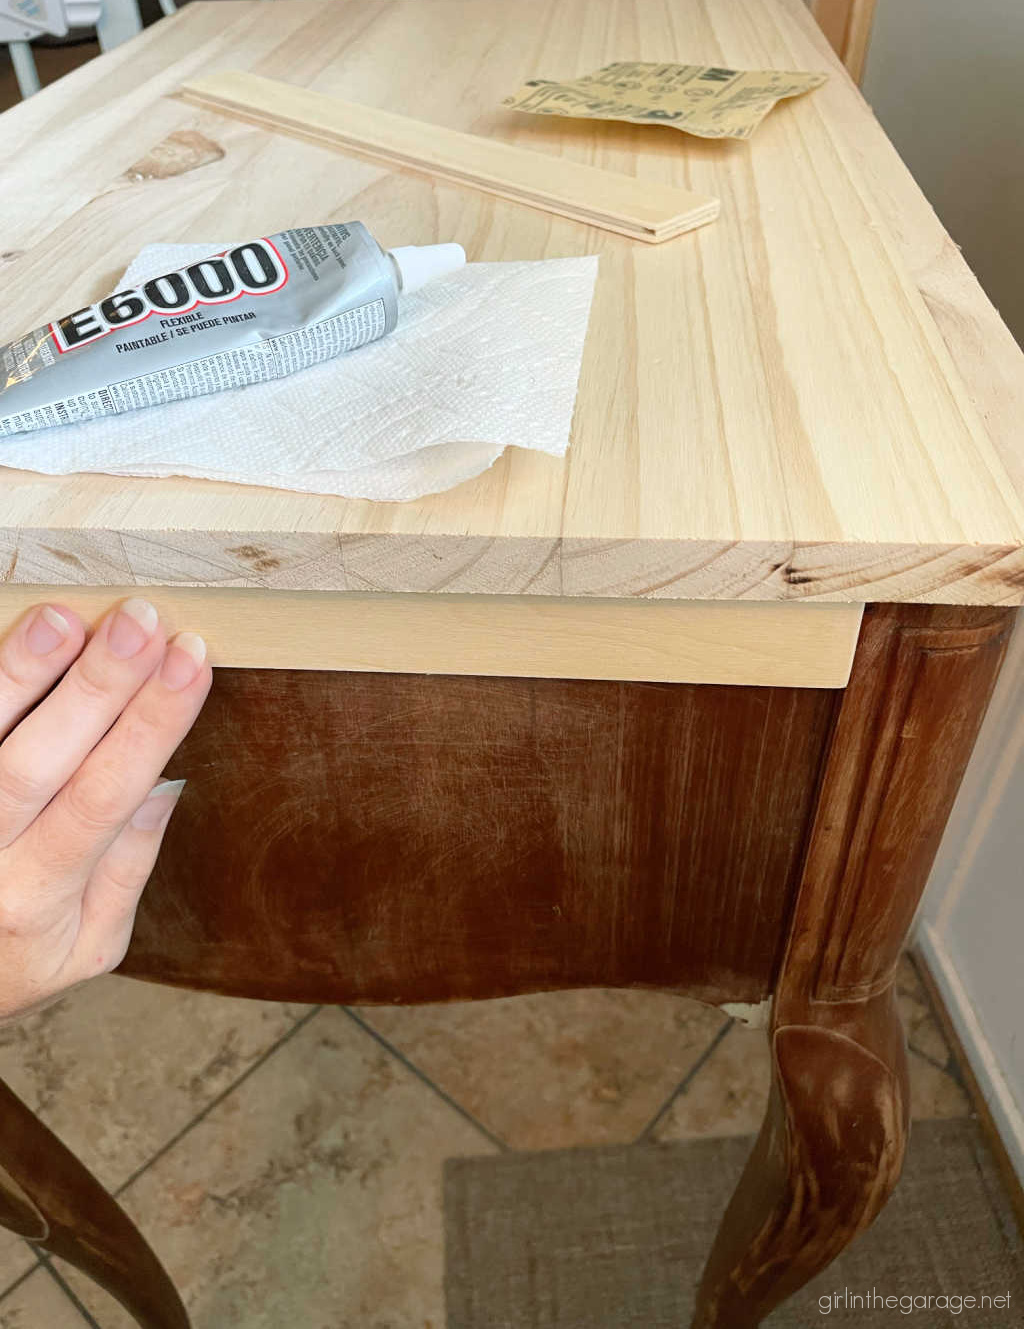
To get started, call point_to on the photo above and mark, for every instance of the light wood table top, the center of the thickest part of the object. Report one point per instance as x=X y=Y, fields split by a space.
x=808 y=399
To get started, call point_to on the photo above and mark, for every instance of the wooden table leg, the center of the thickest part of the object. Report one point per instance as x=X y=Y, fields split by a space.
x=833 y=1141
x=51 y=1198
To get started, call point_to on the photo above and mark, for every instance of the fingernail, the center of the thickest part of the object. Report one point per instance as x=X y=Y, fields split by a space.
x=47 y=631
x=160 y=803
x=185 y=655
x=133 y=625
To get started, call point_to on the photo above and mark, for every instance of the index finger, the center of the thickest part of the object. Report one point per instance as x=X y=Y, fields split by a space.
x=49 y=745
x=78 y=826
x=33 y=655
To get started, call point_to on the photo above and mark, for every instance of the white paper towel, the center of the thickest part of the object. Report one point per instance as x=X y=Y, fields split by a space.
x=487 y=357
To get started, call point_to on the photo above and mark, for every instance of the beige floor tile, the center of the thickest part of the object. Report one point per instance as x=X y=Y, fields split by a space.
x=310 y=1196
x=729 y=1093
x=924 y=1033
x=16 y=1258
x=934 y=1092
x=555 y=1069
x=935 y=1089
x=40 y=1304
x=117 y=1068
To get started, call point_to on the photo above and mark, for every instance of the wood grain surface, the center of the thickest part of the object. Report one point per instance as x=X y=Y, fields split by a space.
x=767 y=408
x=664 y=641
x=612 y=200
x=423 y=839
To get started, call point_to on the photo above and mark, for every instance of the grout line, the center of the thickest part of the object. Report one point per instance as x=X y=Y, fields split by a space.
x=684 y=1083
x=425 y=1079
x=69 y=1293
x=215 y=1102
x=42 y=1258
x=13 y=1287
x=947 y=1068
x=952 y=1064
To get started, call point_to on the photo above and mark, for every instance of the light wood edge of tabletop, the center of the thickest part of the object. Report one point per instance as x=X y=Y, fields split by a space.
x=671 y=641
x=643 y=210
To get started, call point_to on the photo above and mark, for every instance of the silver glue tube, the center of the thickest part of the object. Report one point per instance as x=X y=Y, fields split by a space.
x=254 y=312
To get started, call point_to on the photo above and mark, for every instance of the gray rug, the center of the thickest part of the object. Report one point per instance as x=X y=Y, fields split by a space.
x=615 y=1238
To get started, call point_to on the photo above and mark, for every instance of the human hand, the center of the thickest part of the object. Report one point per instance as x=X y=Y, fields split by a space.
x=82 y=813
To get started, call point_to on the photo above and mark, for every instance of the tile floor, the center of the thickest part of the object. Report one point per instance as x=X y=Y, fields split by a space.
x=285 y=1161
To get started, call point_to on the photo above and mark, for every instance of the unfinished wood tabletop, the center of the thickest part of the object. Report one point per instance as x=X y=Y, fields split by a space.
x=769 y=408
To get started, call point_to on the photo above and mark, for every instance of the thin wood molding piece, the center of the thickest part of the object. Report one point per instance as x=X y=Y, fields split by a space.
x=643 y=210
x=667 y=641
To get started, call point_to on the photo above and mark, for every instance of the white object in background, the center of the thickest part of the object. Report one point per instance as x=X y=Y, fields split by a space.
x=24 y=68
x=488 y=357
x=119 y=21
x=418 y=264
x=22 y=20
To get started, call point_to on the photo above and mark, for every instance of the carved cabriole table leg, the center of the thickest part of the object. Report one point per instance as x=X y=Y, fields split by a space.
x=48 y=1196
x=349 y=837
x=832 y=1145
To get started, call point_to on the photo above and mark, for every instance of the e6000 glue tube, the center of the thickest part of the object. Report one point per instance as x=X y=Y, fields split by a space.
x=254 y=312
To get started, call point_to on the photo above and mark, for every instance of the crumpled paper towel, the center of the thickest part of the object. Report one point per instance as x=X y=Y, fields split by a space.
x=481 y=359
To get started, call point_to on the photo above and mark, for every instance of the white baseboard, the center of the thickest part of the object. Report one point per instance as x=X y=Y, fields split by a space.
x=1006 y=1113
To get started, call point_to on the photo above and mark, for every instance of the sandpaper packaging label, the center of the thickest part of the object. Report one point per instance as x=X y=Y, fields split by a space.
x=699 y=99
x=253 y=312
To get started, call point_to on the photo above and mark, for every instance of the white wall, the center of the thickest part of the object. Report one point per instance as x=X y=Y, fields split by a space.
x=946 y=79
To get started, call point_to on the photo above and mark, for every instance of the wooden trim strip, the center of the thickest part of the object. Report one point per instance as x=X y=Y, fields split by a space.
x=644 y=210
x=674 y=641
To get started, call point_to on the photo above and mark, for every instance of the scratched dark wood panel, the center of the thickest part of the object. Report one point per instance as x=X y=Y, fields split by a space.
x=382 y=837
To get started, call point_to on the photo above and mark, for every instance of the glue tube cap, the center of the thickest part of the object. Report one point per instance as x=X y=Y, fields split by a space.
x=418 y=264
